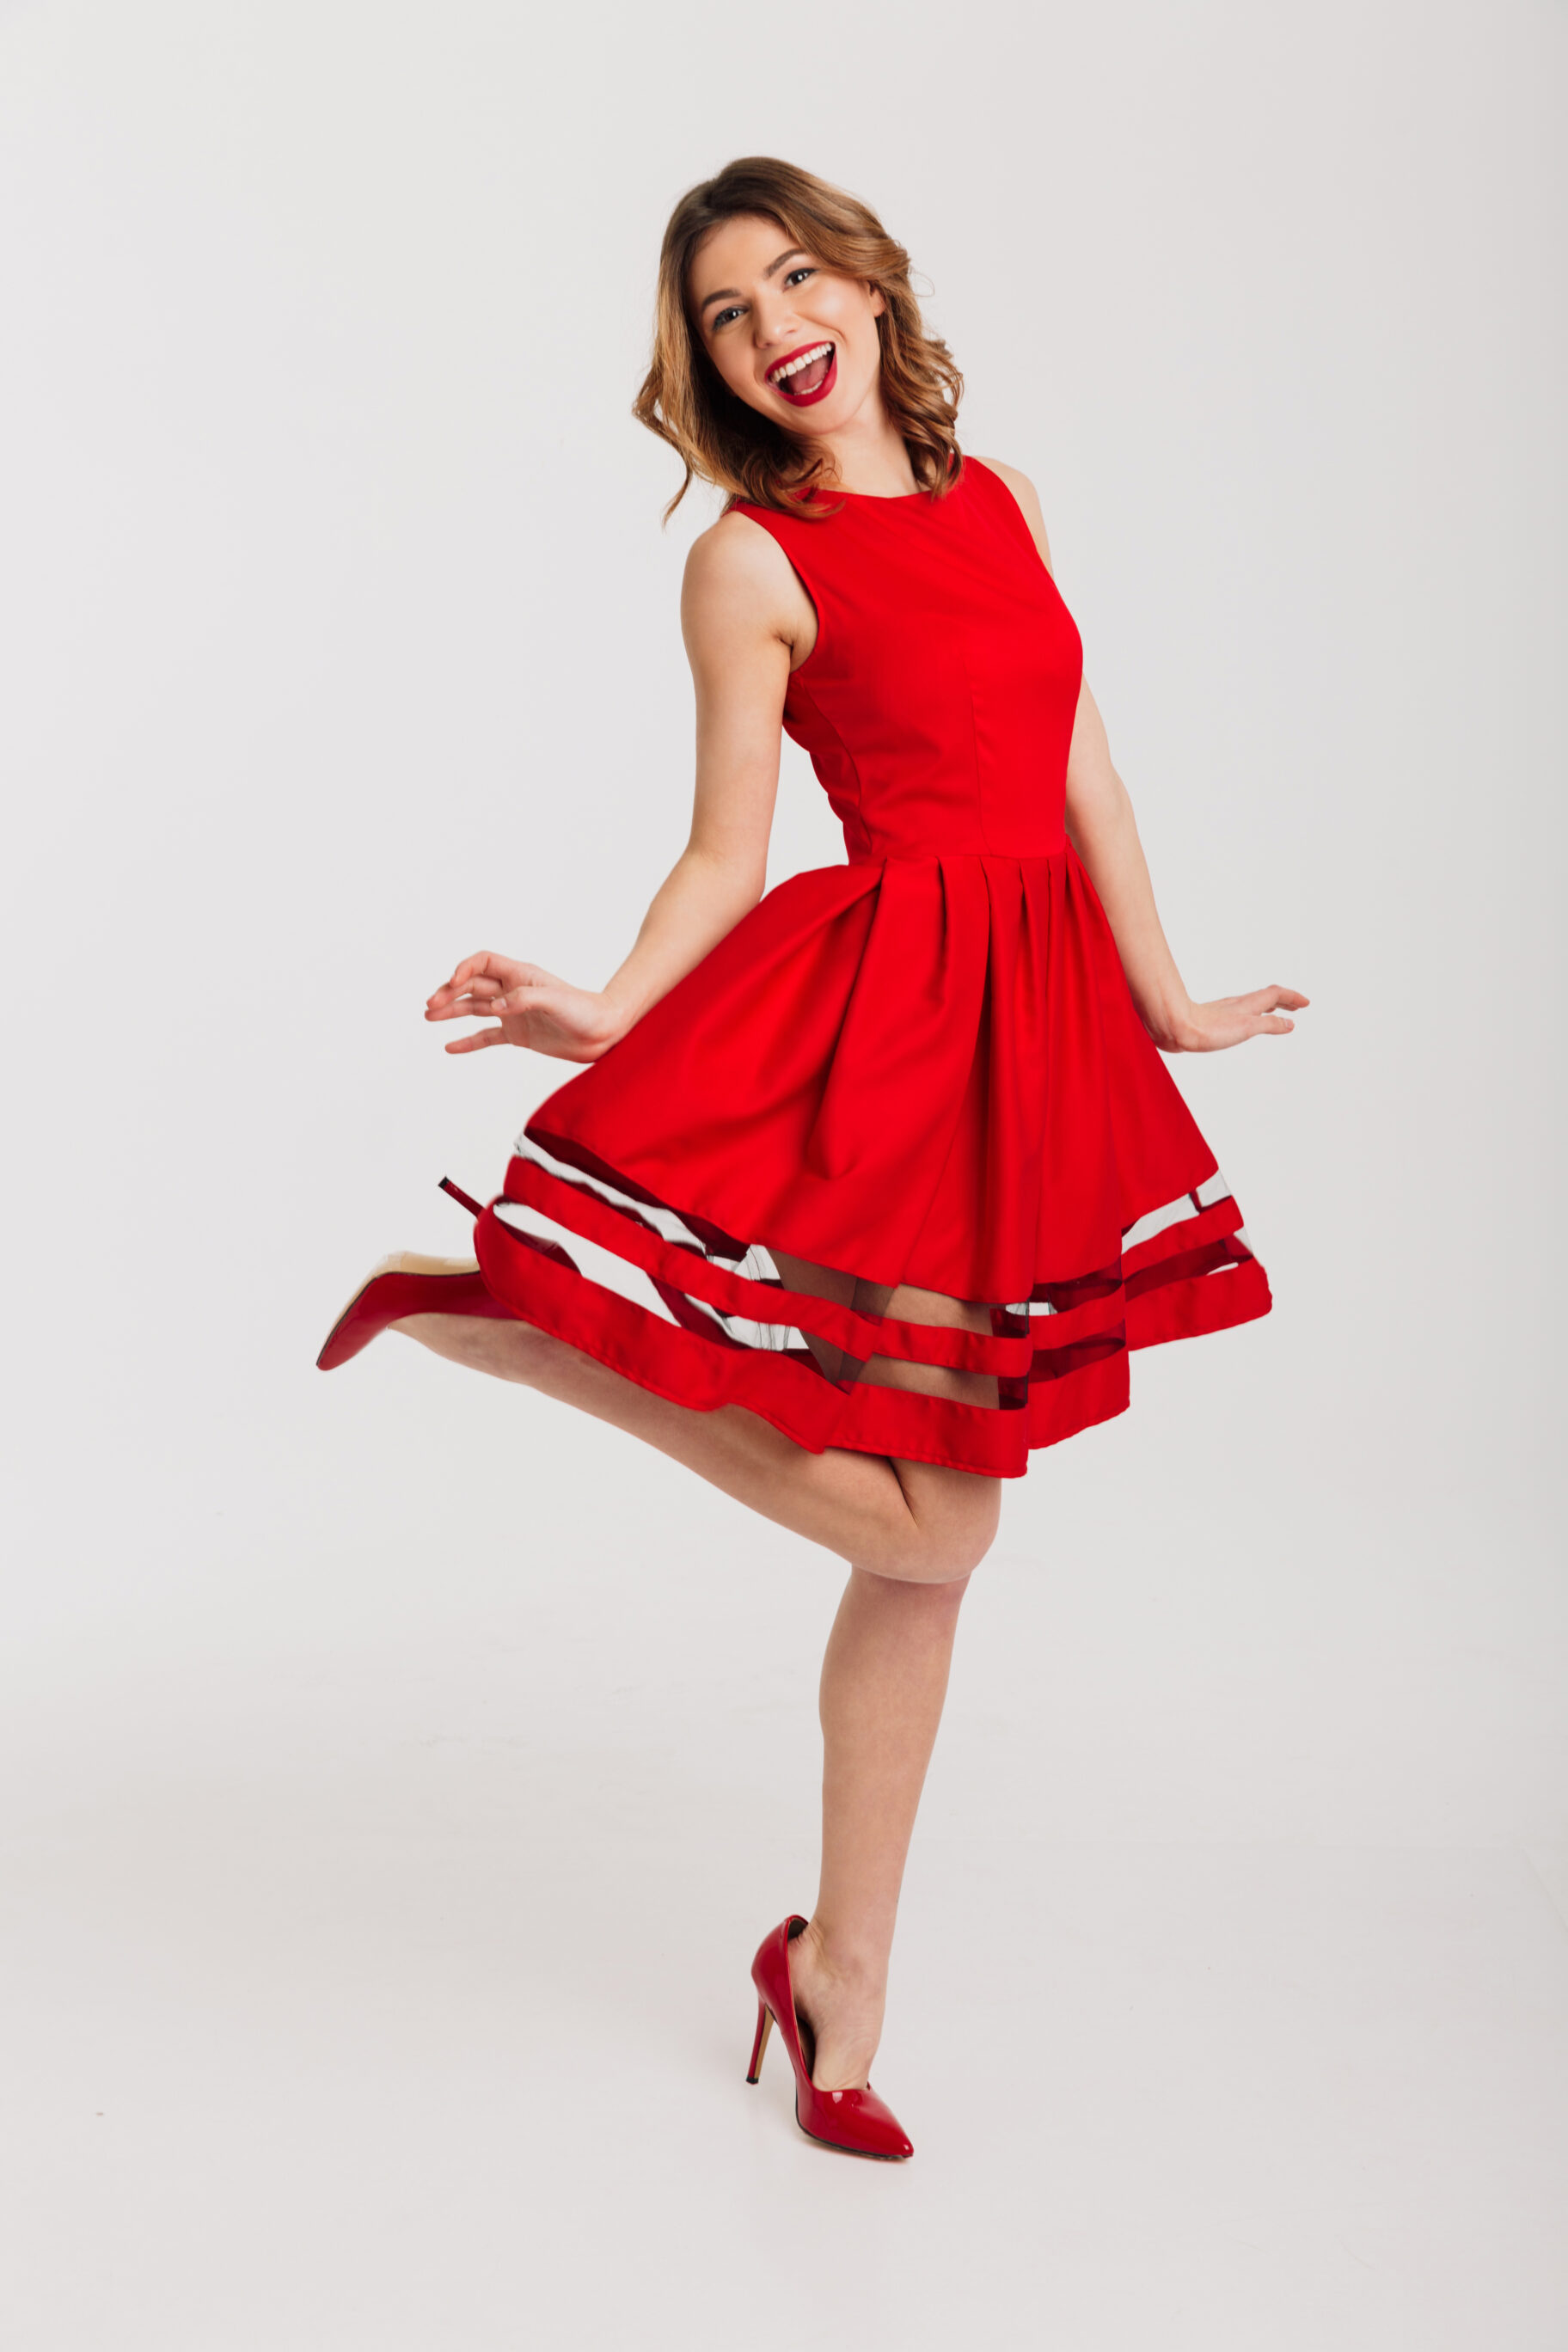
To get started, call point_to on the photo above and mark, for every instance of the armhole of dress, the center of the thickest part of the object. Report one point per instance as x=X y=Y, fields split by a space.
x=759 y=515
x=1018 y=521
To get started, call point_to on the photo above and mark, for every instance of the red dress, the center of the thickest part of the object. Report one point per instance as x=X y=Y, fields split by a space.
x=922 y=1066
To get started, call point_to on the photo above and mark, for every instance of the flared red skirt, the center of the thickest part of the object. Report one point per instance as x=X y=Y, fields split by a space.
x=903 y=1124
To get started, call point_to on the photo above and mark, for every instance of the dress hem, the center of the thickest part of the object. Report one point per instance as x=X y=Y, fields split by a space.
x=538 y=1283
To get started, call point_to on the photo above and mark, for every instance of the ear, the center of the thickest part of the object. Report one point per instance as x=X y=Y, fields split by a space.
x=879 y=303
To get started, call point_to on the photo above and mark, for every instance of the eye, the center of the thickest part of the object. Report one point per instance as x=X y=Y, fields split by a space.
x=724 y=319
x=793 y=276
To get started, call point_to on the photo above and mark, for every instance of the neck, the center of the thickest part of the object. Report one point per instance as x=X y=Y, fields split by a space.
x=867 y=454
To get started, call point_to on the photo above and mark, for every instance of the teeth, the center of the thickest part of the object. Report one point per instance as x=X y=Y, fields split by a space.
x=803 y=360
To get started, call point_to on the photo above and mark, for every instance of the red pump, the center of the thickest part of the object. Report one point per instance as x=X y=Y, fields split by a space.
x=408 y=1283
x=857 y=2122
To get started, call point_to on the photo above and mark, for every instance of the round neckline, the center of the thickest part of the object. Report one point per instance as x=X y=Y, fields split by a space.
x=889 y=498
x=877 y=497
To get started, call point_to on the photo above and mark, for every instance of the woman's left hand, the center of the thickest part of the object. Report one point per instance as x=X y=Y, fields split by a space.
x=530 y=1007
x=1231 y=1020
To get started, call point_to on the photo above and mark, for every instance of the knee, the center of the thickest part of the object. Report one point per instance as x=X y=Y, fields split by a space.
x=948 y=1549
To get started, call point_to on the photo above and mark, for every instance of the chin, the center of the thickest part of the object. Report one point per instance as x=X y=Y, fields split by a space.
x=828 y=416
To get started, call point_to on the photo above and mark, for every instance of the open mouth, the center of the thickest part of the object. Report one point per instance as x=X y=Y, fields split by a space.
x=806 y=375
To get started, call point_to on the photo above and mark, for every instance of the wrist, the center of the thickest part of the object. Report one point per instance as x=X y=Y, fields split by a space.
x=617 y=1014
x=1170 y=1022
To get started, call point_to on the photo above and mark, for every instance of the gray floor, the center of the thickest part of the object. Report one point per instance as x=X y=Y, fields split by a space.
x=406 y=2090
x=388 y=1988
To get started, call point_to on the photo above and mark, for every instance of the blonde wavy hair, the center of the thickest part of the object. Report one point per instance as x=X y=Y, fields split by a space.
x=715 y=434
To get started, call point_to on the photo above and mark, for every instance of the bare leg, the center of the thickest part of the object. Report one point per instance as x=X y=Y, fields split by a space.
x=884 y=1679
x=906 y=1519
x=912 y=1533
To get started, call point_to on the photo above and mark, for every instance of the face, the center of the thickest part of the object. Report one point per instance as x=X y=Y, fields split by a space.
x=793 y=340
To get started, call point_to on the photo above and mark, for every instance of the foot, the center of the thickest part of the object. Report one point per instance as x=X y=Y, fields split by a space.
x=839 y=2006
x=508 y=1350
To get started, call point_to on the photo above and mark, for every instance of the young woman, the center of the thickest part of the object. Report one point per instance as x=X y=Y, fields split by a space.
x=891 y=1150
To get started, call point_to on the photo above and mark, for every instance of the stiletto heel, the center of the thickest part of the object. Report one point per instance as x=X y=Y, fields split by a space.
x=764 y=2027
x=857 y=2122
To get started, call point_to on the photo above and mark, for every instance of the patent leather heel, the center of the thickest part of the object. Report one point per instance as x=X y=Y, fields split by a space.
x=464 y=1200
x=857 y=2121
x=764 y=2027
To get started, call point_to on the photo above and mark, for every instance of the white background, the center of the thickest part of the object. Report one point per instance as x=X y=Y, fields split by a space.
x=400 y=1774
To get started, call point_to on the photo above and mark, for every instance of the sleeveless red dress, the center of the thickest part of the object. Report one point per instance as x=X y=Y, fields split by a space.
x=922 y=1066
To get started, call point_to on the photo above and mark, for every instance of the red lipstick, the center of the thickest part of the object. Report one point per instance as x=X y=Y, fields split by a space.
x=819 y=391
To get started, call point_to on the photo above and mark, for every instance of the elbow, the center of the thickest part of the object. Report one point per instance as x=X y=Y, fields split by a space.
x=737 y=877
x=741 y=888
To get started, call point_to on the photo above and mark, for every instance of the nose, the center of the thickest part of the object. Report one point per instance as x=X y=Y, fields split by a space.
x=772 y=320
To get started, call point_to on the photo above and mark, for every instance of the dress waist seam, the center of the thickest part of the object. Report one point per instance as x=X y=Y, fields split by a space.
x=948 y=857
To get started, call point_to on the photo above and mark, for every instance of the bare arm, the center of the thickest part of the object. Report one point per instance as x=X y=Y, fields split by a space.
x=743 y=611
x=1103 y=830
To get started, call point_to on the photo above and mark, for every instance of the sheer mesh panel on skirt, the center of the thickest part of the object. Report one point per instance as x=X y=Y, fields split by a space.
x=709 y=1319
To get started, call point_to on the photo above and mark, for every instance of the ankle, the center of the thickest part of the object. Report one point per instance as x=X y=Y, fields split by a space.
x=840 y=1992
x=852 y=1965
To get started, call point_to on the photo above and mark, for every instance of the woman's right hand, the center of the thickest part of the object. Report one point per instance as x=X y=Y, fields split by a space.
x=529 y=1006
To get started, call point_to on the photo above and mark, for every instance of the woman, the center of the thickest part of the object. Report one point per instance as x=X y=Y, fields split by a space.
x=891 y=1149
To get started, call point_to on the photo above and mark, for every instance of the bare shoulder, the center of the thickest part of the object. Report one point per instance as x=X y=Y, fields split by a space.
x=1028 y=500
x=738 y=578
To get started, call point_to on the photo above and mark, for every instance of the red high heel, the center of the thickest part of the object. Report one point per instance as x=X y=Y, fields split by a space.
x=856 y=2121
x=409 y=1284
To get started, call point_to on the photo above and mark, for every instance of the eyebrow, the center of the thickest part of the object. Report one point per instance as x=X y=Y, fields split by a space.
x=734 y=293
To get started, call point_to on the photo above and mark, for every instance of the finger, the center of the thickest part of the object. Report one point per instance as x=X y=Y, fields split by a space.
x=460 y=979
x=479 y=1038
x=1267 y=999
x=462 y=1008
x=483 y=964
x=1273 y=1027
